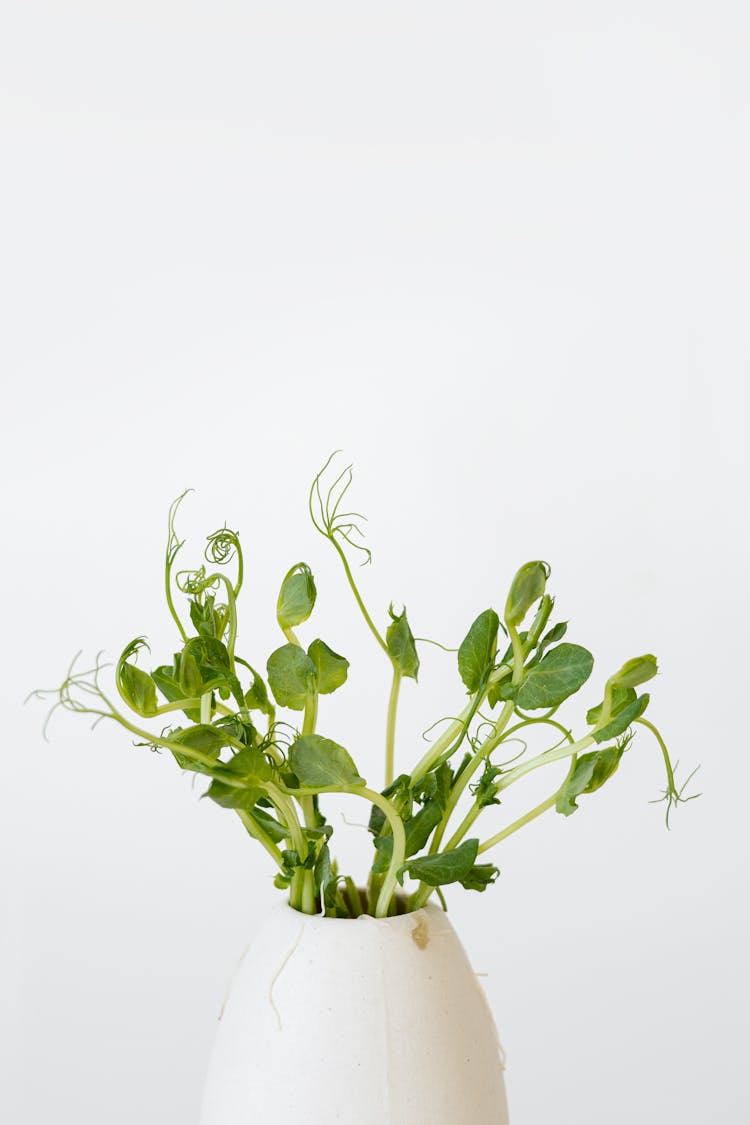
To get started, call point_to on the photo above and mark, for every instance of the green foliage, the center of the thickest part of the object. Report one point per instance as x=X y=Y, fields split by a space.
x=331 y=669
x=480 y=877
x=558 y=675
x=291 y=676
x=136 y=687
x=476 y=653
x=296 y=597
x=214 y=715
x=635 y=672
x=589 y=774
x=445 y=867
x=400 y=641
x=526 y=588
x=622 y=720
x=320 y=762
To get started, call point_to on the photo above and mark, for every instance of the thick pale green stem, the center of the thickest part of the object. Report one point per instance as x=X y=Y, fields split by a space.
x=485 y=749
x=390 y=729
x=520 y=823
x=258 y=834
x=398 y=857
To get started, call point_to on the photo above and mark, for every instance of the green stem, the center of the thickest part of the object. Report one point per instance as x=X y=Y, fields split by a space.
x=558 y=755
x=520 y=823
x=665 y=753
x=486 y=748
x=289 y=814
x=358 y=597
x=475 y=810
x=308 y=893
x=390 y=729
x=398 y=857
x=441 y=744
x=255 y=830
x=206 y=708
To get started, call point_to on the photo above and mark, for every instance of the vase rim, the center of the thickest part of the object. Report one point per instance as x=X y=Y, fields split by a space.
x=394 y=921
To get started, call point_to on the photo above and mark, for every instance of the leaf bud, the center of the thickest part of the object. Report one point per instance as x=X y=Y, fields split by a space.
x=526 y=588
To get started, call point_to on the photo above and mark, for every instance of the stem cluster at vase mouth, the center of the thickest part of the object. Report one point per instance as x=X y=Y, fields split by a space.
x=222 y=722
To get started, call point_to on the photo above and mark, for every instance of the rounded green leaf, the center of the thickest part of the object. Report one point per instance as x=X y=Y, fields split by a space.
x=560 y=673
x=291 y=676
x=320 y=762
x=330 y=668
x=296 y=597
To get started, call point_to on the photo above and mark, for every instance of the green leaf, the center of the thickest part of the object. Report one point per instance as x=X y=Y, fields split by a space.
x=323 y=872
x=134 y=685
x=541 y=617
x=210 y=653
x=401 y=645
x=291 y=675
x=319 y=762
x=558 y=675
x=445 y=867
x=189 y=674
x=165 y=679
x=231 y=797
x=418 y=830
x=256 y=697
x=622 y=721
x=399 y=793
x=555 y=634
x=435 y=785
x=485 y=791
x=501 y=689
x=481 y=876
x=204 y=737
x=526 y=588
x=476 y=653
x=208 y=618
x=620 y=697
x=270 y=826
x=635 y=672
x=296 y=597
x=590 y=773
x=251 y=764
x=331 y=669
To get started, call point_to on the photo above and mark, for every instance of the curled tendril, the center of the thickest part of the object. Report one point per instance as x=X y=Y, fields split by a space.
x=326 y=515
x=281 y=739
x=222 y=546
x=477 y=738
x=445 y=719
x=195 y=582
x=509 y=761
x=86 y=682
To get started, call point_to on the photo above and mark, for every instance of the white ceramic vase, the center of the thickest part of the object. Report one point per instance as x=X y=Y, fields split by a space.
x=363 y=1022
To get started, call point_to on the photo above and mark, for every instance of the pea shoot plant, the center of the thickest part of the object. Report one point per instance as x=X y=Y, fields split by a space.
x=224 y=720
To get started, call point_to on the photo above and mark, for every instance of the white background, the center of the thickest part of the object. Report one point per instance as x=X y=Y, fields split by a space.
x=499 y=254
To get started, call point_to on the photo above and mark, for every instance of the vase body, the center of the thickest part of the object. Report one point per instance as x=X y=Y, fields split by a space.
x=359 y=1022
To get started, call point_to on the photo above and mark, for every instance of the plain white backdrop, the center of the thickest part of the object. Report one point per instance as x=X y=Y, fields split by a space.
x=499 y=254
